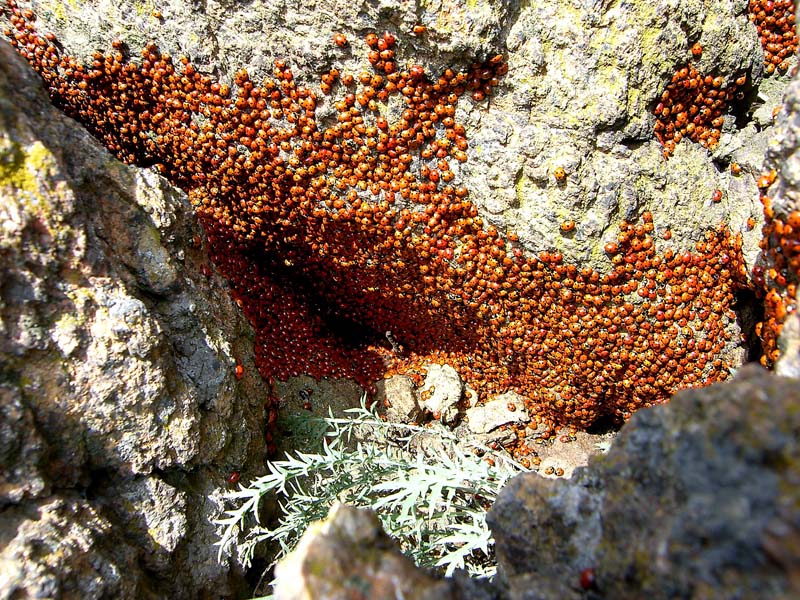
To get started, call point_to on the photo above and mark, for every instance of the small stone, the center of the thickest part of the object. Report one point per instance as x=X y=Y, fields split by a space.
x=349 y=556
x=401 y=398
x=789 y=363
x=441 y=391
x=497 y=412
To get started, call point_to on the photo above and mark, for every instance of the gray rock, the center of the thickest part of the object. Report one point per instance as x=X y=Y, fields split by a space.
x=114 y=362
x=349 y=556
x=579 y=94
x=154 y=514
x=441 y=391
x=119 y=408
x=401 y=396
x=695 y=499
x=61 y=547
x=493 y=414
x=789 y=363
x=582 y=84
x=22 y=451
x=783 y=160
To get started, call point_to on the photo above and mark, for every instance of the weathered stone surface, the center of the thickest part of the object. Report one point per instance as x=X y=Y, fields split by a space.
x=400 y=393
x=789 y=363
x=61 y=547
x=493 y=414
x=582 y=83
x=119 y=408
x=783 y=156
x=349 y=556
x=441 y=391
x=583 y=80
x=695 y=499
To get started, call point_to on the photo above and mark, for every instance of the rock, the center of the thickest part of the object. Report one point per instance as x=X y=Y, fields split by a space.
x=120 y=413
x=696 y=498
x=441 y=391
x=566 y=450
x=493 y=414
x=782 y=164
x=349 y=556
x=400 y=393
x=582 y=83
x=789 y=363
x=117 y=359
x=60 y=547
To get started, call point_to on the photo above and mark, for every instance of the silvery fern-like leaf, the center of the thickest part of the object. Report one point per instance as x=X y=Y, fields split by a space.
x=426 y=503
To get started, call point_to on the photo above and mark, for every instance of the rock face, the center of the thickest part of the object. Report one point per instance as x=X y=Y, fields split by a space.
x=560 y=156
x=697 y=499
x=582 y=84
x=778 y=266
x=120 y=412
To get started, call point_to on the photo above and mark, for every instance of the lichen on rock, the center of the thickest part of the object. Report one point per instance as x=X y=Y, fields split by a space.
x=116 y=368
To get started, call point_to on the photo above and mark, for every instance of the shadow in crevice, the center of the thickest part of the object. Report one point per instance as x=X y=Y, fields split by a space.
x=749 y=311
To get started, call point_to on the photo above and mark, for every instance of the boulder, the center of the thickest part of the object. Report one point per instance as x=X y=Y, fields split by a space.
x=349 y=556
x=695 y=499
x=121 y=415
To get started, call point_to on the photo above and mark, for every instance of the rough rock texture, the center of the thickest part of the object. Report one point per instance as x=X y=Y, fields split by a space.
x=789 y=363
x=696 y=499
x=349 y=556
x=783 y=198
x=401 y=397
x=583 y=81
x=118 y=397
x=120 y=413
x=497 y=412
x=783 y=153
x=441 y=392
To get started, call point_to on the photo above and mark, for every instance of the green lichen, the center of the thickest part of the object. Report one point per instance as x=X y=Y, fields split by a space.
x=21 y=172
x=58 y=9
x=14 y=172
x=143 y=8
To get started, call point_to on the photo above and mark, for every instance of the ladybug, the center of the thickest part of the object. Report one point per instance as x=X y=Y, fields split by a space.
x=588 y=580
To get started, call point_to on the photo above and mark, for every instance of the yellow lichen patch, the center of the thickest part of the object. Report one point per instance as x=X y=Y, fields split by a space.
x=22 y=169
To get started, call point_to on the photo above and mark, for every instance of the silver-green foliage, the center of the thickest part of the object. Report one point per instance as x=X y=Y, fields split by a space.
x=431 y=494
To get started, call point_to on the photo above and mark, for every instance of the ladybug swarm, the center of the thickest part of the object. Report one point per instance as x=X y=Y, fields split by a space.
x=361 y=225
